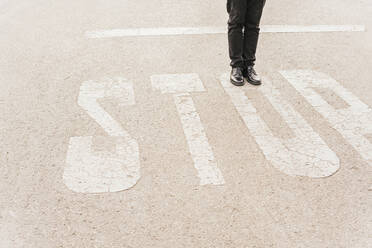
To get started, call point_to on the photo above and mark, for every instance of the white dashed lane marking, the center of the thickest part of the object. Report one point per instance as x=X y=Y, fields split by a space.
x=88 y=171
x=353 y=122
x=181 y=85
x=304 y=155
x=219 y=30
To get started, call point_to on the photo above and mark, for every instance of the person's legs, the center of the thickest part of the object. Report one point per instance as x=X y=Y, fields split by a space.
x=237 y=20
x=252 y=30
x=251 y=33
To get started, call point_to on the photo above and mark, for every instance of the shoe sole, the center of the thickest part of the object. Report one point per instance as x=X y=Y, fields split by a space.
x=253 y=83
x=236 y=83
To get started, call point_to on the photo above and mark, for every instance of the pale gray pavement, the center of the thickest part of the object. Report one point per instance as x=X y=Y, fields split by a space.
x=44 y=58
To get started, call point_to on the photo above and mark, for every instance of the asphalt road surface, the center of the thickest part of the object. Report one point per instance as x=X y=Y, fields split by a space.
x=137 y=139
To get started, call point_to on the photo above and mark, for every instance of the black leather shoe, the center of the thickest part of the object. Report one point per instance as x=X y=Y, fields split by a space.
x=251 y=76
x=236 y=76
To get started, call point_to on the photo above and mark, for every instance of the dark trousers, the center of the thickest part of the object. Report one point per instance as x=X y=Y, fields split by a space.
x=243 y=30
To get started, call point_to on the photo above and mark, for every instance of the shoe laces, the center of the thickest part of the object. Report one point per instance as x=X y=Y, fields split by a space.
x=251 y=70
x=238 y=69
